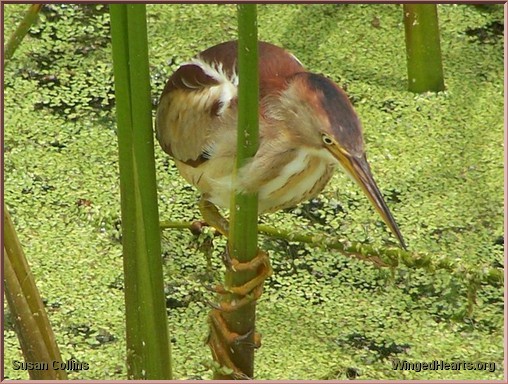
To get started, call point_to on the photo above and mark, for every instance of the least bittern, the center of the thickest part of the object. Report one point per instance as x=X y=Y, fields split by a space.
x=307 y=127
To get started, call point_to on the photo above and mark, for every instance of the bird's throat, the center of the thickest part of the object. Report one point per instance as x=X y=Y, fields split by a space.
x=300 y=179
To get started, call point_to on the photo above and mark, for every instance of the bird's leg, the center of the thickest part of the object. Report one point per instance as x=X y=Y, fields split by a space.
x=221 y=340
x=213 y=217
x=260 y=263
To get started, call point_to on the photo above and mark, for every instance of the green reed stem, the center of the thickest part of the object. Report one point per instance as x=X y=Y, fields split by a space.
x=424 y=62
x=148 y=346
x=21 y=31
x=28 y=313
x=243 y=235
x=29 y=316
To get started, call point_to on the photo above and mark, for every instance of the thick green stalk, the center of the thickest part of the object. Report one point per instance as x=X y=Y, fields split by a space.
x=148 y=347
x=30 y=319
x=21 y=31
x=244 y=207
x=424 y=62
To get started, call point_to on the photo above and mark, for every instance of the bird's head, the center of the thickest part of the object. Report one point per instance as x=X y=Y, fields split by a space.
x=322 y=117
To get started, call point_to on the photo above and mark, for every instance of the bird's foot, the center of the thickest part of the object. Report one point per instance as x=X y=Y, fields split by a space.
x=235 y=304
x=259 y=264
x=252 y=289
x=231 y=339
x=223 y=343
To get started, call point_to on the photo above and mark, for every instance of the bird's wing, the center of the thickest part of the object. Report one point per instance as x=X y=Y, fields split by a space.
x=201 y=92
x=194 y=99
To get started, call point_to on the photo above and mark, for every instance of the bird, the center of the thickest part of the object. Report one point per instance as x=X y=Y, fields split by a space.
x=307 y=129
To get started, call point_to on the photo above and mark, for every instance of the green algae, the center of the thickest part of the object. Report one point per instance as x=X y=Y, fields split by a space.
x=438 y=158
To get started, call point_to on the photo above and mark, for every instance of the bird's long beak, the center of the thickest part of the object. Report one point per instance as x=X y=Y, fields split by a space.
x=358 y=168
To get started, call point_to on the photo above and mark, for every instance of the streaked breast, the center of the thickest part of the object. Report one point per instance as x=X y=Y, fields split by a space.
x=299 y=180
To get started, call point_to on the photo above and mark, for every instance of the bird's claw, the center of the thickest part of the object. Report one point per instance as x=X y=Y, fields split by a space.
x=234 y=305
x=260 y=264
x=222 y=342
x=251 y=290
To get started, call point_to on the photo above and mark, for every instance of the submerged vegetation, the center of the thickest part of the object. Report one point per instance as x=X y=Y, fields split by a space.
x=438 y=159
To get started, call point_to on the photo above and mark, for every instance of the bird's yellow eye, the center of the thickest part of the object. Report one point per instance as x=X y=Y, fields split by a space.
x=327 y=139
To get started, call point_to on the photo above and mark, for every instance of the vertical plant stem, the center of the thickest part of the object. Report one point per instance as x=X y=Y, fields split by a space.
x=29 y=316
x=21 y=31
x=244 y=207
x=424 y=62
x=243 y=234
x=148 y=347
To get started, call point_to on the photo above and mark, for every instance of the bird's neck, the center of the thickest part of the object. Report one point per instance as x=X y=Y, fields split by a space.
x=289 y=112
